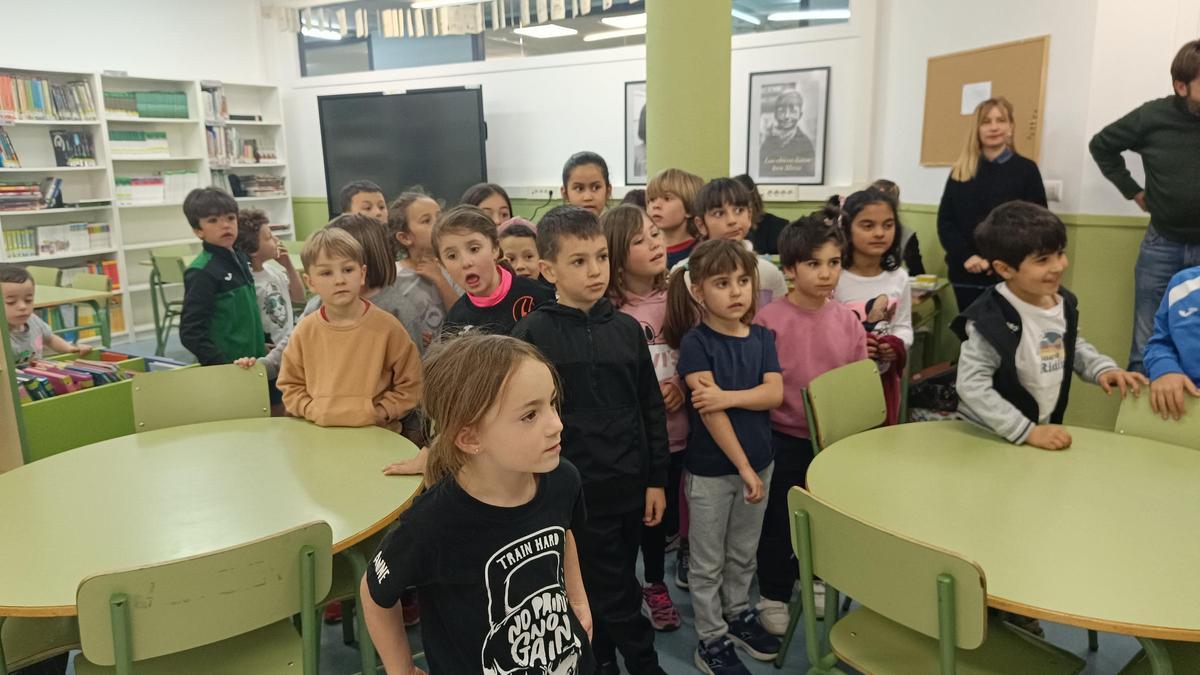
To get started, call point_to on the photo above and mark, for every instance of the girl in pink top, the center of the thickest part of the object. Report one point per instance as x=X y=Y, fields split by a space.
x=813 y=334
x=637 y=258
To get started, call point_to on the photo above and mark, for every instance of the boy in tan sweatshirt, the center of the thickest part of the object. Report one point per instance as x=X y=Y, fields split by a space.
x=350 y=364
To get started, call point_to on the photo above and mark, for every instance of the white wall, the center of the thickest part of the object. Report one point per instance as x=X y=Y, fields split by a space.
x=540 y=110
x=185 y=39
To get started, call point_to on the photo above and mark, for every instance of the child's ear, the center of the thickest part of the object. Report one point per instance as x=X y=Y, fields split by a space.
x=563 y=191
x=1003 y=269
x=701 y=227
x=308 y=281
x=467 y=440
x=547 y=271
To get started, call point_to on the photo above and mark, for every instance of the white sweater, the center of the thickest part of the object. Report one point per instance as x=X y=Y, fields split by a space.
x=893 y=317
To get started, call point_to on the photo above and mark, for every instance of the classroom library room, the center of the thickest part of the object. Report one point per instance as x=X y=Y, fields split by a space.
x=403 y=336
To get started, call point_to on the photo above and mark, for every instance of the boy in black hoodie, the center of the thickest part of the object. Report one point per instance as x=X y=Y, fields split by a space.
x=614 y=431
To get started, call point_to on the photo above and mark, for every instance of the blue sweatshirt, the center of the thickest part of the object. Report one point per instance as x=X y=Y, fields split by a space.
x=1175 y=345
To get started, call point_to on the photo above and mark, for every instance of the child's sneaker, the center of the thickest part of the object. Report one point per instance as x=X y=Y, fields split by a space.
x=716 y=657
x=672 y=543
x=333 y=613
x=745 y=632
x=681 y=565
x=773 y=615
x=1027 y=624
x=657 y=606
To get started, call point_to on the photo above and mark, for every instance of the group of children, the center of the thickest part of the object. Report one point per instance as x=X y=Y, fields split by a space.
x=654 y=350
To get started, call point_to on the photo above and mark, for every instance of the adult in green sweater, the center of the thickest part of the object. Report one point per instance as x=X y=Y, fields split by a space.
x=1166 y=133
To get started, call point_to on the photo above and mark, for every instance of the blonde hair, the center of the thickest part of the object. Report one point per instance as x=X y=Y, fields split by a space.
x=333 y=242
x=967 y=164
x=486 y=361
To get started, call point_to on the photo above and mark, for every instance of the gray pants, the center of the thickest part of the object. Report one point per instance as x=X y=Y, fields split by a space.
x=723 y=537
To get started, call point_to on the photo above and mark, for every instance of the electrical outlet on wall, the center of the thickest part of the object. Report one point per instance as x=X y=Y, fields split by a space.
x=779 y=193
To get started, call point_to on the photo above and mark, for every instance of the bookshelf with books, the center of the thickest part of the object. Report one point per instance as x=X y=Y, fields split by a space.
x=105 y=157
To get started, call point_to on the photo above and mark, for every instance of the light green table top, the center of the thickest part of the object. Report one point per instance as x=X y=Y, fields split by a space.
x=49 y=296
x=172 y=493
x=1105 y=535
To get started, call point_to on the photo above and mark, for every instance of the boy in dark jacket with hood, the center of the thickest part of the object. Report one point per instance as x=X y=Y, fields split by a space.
x=615 y=427
x=1021 y=337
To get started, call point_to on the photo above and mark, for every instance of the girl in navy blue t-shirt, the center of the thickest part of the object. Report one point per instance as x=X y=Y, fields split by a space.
x=733 y=379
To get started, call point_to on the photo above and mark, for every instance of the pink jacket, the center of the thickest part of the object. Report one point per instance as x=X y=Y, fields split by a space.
x=651 y=311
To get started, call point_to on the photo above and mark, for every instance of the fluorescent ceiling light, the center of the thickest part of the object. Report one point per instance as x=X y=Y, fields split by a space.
x=810 y=15
x=609 y=35
x=434 y=4
x=626 y=21
x=745 y=16
x=320 y=33
x=545 y=30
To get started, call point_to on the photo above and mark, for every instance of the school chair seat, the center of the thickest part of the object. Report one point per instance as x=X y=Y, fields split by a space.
x=1185 y=658
x=25 y=641
x=1135 y=418
x=172 y=398
x=922 y=609
x=843 y=402
x=227 y=612
x=166 y=305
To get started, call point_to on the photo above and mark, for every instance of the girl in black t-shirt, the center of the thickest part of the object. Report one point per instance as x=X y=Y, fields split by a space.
x=489 y=545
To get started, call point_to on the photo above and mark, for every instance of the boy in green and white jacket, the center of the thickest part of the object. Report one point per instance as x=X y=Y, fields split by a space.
x=220 y=320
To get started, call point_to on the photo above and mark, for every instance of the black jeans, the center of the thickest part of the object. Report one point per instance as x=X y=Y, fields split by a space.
x=608 y=547
x=654 y=539
x=777 y=569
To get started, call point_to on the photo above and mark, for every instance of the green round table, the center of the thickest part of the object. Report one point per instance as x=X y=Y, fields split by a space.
x=172 y=493
x=1104 y=535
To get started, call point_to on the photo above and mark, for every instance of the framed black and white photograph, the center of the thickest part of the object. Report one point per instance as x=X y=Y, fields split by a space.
x=786 y=133
x=635 y=133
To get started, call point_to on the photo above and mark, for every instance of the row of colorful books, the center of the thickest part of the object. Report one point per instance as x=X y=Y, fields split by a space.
x=20 y=196
x=138 y=144
x=41 y=378
x=106 y=267
x=61 y=239
x=35 y=98
x=135 y=104
x=8 y=151
x=168 y=187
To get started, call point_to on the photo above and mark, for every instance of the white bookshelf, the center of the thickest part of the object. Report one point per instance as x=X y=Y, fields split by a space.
x=137 y=229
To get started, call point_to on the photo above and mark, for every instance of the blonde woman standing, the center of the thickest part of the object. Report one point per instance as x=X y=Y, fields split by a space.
x=987 y=173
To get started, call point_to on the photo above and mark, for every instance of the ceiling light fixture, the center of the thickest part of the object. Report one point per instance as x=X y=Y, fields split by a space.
x=626 y=21
x=545 y=30
x=321 y=33
x=435 y=4
x=746 y=16
x=613 y=34
x=810 y=15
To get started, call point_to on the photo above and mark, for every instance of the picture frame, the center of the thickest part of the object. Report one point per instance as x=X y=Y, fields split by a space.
x=635 y=133
x=787 y=126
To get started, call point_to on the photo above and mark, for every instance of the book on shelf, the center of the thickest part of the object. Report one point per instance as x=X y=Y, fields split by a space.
x=138 y=144
x=105 y=267
x=257 y=185
x=138 y=104
x=159 y=188
x=35 y=98
x=120 y=104
x=52 y=192
x=214 y=105
x=245 y=118
x=73 y=148
x=8 y=151
x=20 y=196
x=60 y=239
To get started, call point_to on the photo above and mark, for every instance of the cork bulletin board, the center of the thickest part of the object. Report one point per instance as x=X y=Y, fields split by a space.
x=956 y=83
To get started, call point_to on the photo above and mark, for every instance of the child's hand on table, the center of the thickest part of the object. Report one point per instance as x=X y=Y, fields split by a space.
x=409 y=467
x=1049 y=437
x=1123 y=380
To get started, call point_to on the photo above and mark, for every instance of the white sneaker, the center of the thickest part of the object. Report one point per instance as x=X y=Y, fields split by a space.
x=773 y=616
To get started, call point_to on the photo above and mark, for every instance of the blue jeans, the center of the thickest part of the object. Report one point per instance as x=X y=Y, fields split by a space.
x=1159 y=259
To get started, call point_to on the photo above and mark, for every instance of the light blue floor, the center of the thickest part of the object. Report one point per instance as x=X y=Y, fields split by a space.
x=675 y=649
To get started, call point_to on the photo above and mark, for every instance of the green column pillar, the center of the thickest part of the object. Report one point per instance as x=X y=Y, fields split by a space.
x=687 y=85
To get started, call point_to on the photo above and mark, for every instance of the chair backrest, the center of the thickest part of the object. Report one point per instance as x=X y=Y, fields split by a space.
x=170 y=268
x=171 y=398
x=845 y=401
x=44 y=276
x=92 y=282
x=887 y=573
x=1137 y=419
x=174 y=606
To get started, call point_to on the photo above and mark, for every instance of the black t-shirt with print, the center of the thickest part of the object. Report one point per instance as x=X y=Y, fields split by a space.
x=489 y=579
x=521 y=299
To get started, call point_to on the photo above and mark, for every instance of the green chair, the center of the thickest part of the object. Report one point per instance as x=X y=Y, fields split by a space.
x=25 y=641
x=44 y=276
x=843 y=402
x=168 y=268
x=1184 y=657
x=923 y=609
x=1137 y=419
x=87 y=281
x=171 y=398
x=228 y=612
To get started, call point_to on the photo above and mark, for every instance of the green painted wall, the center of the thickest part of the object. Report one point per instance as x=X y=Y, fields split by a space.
x=1102 y=250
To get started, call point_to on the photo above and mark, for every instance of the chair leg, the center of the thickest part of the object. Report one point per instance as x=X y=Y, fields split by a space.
x=1093 y=641
x=348 y=608
x=794 y=610
x=1160 y=660
x=846 y=604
